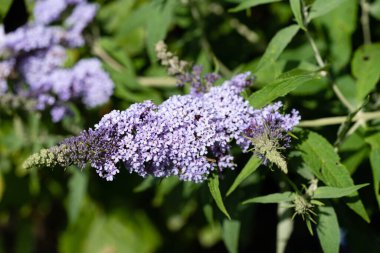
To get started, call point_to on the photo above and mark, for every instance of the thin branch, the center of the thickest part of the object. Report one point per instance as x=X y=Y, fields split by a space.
x=317 y=55
x=98 y=51
x=342 y=98
x=321 y=63
x=157 y=81
x=365 y=116
x=365 y=22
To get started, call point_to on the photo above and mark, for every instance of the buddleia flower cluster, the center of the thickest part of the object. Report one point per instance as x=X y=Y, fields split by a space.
x=187 y=136
x=33 y=56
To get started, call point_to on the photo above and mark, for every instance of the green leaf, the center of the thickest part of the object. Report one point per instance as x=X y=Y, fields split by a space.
x=158 y=24
x=328 y=229
x=272 y=198
x=343 y=19
x=134 y=19
x=296 y=9
x=286 y=83
x=250 y=167
x=117 y=230
x=321 y=159
x=4 y=7
x=347 y=86
x=145 y=184
x=374 y=9
x=231 y=230
x=374 y=158
x=251 y=3
x=213 y=185
x=77 y=191
x=165 y=186
x=277 y=45
x=321 y=7
x=328 y=192
x=366 y=68
x=209 y=214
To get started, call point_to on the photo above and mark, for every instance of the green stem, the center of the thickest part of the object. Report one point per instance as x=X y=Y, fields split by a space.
x=366 y=116
x=365 y=21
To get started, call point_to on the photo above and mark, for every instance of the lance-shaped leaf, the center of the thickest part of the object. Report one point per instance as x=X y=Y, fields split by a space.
x=251 y=166
x=272 y=198
x=231 y=231
x=277 y=45
x=286 y=83
x=321 y=158
x=321 y=7
x=213 y=185
x=295 y=5
x=77 y=192
x=328 y=192
x=328 y=229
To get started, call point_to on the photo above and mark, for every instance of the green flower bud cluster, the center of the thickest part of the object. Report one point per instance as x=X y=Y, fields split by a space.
x=53 y=157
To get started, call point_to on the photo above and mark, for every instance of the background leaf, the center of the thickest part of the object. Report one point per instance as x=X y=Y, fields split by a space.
x=77 y=192
x=321 y=7
x=231 y=231
x=328 y=229
x=345 y=17
x=158 y=24
x=251 y=3
x=277 y=45
x=366 y=68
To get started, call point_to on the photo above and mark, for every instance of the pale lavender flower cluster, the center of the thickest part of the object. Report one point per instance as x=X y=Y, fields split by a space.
x=36 y=53
x=187 y=136
x=198 y=84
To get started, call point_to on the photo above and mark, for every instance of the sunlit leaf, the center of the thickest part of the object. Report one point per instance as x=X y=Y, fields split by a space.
x=328 y=192
x=213 y=185
x=297 y=12
x=321 y=158
x=321 y=7
x=280 y=87
x=272 y=198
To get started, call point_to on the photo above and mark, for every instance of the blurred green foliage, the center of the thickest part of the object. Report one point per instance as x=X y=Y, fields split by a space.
x=75 y=211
